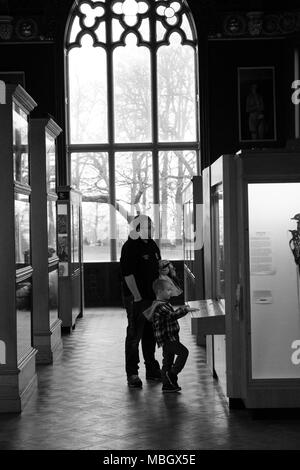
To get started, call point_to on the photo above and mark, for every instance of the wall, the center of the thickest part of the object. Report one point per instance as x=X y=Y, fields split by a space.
x=38 y=63
x=102 y=286
x=224 y=58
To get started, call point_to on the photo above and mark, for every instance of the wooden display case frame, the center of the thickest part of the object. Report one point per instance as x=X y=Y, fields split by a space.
x=71 y=301
x=47 y=336
x=18 y=377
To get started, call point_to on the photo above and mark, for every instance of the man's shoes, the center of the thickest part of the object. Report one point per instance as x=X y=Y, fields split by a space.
x=154 y=375
x=134 y=381
x=169 y=388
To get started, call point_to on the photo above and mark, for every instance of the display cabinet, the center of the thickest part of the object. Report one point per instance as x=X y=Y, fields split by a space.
x=215 y=267
x=46 y=324
x=18 y=356
x=69 y=246
x=193 y=240
x=194 y=257
x=254 y=259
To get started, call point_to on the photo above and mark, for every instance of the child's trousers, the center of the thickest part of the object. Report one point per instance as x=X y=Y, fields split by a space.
x=170 y=350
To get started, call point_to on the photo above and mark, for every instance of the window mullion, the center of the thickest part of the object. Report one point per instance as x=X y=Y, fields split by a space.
x=110 y=120
x=154 y=109
x=197 y=96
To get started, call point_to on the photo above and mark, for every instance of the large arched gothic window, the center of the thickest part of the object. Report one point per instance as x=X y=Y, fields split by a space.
x=132 y=113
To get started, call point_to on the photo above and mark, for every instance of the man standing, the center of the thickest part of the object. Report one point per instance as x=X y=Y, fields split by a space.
x=139 y=266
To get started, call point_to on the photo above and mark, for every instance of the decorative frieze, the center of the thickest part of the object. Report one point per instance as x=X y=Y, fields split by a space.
x=255 y=24
x=27 y=29
x=6 y=27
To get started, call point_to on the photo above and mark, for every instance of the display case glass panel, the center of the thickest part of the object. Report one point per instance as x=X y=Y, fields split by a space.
x=274 y=279
x=50 y=163
x=53 y=296
x=51 y=221
x=24 y=319
x=218 y=245
x=20 y=145
x=75 y=235
x=22 y=230
x=188 y=226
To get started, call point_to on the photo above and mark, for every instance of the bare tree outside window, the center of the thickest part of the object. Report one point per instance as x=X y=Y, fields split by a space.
x=90 y=175
x=176 y=169
x=87 y=94
x=132 y=97
x=176 y=92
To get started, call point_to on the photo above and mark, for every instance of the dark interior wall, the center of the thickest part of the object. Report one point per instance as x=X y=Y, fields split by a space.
x=37 y=61
x=102 y=284
x=224 y=58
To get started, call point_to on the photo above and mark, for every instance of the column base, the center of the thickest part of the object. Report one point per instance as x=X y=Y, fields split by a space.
x=48 y=344
x=18 y=385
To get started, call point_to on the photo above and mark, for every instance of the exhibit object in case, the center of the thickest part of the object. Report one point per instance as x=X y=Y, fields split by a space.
x=46 y=324
x=69 y=246
x=17 y=354
x=254 y=261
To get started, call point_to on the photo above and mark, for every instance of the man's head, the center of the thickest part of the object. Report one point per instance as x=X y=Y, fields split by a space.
x=142 y=227
x=162 y=289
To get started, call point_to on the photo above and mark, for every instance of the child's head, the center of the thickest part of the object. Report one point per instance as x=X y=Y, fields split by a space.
x=162 y=289
x=164 y=265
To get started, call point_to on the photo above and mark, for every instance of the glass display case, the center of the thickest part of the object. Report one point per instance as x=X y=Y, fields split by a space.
x=75 y=250
x=17 y=371
x=22 y=229
x=193 y=240
x=218 y=240
x=51 y=136
x=20 y=145
x=69 y=248
x=53 y=296
x=46 y=324
x=51 y=228
x=274 y=302
x=23 y=308
x=255 y=274
x=208 y=323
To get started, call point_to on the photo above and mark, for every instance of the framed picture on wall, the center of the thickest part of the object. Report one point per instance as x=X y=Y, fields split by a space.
x=256 y=104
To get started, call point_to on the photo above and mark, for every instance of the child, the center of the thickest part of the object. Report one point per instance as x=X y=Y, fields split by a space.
x=168 y=272
x=166 y=329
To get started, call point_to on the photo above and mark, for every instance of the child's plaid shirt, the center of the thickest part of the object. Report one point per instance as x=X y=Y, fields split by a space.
x=165 y=324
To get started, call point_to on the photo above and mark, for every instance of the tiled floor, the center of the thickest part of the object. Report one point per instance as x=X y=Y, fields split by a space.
x=83 y=402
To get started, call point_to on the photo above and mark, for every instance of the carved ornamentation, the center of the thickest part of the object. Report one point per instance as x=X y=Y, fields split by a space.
x=26 y=29
x=287 y=22
x=270 y=24
x=259 y=24
x=29 y=29
x=235 y=25
x=6 y=27
x=255 y=22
